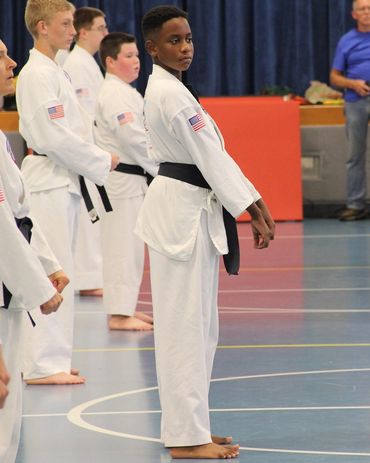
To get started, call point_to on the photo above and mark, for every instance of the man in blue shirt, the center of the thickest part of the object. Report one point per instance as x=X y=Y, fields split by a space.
x=351 y=71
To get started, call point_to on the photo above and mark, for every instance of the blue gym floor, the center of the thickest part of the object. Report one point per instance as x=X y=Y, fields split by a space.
x=291 y=380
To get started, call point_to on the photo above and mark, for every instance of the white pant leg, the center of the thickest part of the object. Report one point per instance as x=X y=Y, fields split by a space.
x=88 y=252
x=186 y=334
x=123 y=257
x=11 y=414
x=48 y=346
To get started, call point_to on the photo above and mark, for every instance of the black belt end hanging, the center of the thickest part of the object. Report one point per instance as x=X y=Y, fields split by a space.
x=232 y=259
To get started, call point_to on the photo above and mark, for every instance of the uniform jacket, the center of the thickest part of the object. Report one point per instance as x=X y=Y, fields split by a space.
x=120 y=129
x=86 y=77
x=23 y=268
x=53 y=123
x=179 y=130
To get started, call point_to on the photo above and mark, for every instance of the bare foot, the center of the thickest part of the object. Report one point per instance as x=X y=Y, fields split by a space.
x=122 y=322
x=75 y=371
x=221 y=440
x=58 y=378
x=92 y=292
x=144 y=317
x=205 y=451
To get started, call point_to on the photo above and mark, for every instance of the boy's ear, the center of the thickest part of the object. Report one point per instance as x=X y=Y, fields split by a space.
x=109 y=61
x=151 y=48
x=83 y=32
x=41 y=28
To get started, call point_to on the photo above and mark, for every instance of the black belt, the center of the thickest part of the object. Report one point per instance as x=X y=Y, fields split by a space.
x=86 y=195
x=189 y=173
x=133 y=170
x=25 y=227
x=130 y=169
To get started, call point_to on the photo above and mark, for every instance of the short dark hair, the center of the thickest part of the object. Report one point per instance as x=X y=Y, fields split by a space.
x=155 y=17
x=111 y=45
x=84 y=17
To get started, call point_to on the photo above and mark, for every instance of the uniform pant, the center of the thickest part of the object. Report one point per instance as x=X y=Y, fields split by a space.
x=48 y=346
x=11 y=414
x=186 y=334
x=88 y=252
x=123 y=257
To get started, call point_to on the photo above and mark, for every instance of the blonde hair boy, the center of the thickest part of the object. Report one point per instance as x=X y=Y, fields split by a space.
x=43 y=10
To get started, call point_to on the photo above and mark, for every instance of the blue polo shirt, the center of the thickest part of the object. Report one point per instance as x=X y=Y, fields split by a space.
x=352 y=57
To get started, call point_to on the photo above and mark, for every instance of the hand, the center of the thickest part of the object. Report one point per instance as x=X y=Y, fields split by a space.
x=261 y=232
x=267 y=216
x=59 y=280
x=360 y=87
x=52 y=304
x=114 y=161
x=4 y=380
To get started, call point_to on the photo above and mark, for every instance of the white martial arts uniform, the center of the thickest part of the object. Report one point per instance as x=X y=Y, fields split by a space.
x=87 y=79
x=61 y=56
x=183 y=227
x=53 y=123
x=120 y=129
x=24 y=270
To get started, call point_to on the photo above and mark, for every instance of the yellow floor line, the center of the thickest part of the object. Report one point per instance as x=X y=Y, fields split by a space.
x=246 y=346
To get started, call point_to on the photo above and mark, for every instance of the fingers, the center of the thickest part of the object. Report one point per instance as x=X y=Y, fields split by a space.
x=4 y=380
x=3 y=393
x=261 y=235
x=4 y=375
x=60 y=284
x=59 y=280
x=114 y=160
x=52 y=304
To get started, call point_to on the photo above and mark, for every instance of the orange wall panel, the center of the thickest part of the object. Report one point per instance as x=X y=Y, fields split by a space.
x=262 y=134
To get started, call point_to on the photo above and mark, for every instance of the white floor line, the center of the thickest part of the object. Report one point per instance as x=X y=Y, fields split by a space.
x=246 y=310
x=314 y=237
x=76 y=413
x=305 y=452
x=292 y=290
x=212 y=410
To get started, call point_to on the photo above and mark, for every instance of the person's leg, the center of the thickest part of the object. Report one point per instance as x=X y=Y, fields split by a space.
x=48 y=345
x=123 y=265
x=88 y=252
x=11 y=414
x=357 y=118
x=186 y=332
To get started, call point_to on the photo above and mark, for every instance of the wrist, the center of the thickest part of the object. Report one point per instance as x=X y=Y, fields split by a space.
x=254 y=211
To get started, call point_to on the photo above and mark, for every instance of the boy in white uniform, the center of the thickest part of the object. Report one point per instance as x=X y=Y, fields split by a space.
x=119 y=127
x=23 y=269
x=181 y=220
x=87 y=79
x=59 y=132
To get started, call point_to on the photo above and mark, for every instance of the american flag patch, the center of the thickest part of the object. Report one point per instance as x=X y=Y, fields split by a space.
x=124 y=118
x=56 y=112
x=2 y=196
x=197 y=122
x=81 y=92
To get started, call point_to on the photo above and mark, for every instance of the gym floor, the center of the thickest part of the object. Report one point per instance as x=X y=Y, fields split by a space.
x=291 y=380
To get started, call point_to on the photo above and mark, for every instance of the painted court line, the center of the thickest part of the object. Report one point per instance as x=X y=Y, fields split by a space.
x=246 y=346
x=246 y=310
x=292 y=290
x=305 y=452
x=76 y=413
x=213 y=410
x=312 y=237
x=282 y=290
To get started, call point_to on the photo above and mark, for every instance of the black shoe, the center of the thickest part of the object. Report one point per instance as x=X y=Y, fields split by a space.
x=349 y=214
